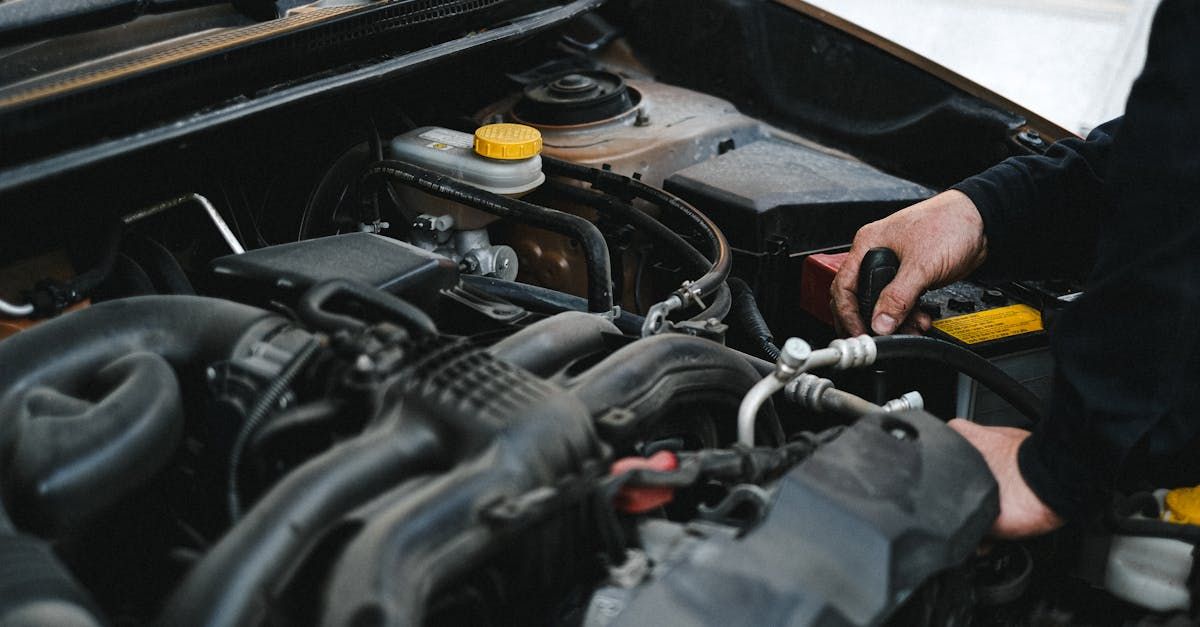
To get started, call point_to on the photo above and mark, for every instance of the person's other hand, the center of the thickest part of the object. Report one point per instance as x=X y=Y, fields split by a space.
x=1022 y=513
x=938 y=241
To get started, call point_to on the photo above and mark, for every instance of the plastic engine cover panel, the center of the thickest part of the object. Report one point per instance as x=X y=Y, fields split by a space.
x=850 y=534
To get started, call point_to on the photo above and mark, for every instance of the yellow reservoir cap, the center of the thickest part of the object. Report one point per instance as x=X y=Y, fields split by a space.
x=508 y=141
x=1183 y=506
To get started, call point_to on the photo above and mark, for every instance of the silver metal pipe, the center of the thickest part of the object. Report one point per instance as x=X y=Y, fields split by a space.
x=204 y=204
x=10 y=310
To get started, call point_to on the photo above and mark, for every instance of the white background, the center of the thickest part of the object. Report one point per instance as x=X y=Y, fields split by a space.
x=1072 y=61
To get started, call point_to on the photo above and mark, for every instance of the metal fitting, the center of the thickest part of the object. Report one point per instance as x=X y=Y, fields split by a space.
x=911 y=401
x=806 y=391
x=854 y=352
x=656 y=317
x=793 y=357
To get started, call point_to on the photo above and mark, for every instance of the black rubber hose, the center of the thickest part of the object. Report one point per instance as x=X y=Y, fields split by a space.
x=163 y=267
x=543 y=300
x=231 y=585
x=750 y=319
x=79 y=449
x=262 y=407
x=591 y=241
x=311 y=308
x=69 y=350
x=75 y=453
x=636 y=385
x=622 y=186
x=86 y=282
x=1120 y=517
x=546 y=347
x=892 y=347
x=642 y=221
x=635 y=217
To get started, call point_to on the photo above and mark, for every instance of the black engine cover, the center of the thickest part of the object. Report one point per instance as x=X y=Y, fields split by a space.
x=851 y=533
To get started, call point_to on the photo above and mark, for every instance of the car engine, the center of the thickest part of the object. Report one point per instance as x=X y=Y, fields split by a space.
x=491 y=336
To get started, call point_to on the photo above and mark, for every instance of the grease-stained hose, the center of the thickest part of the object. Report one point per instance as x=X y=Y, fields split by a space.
x=591 y=241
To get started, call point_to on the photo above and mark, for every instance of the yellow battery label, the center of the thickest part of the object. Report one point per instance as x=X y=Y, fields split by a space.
x=993 y=324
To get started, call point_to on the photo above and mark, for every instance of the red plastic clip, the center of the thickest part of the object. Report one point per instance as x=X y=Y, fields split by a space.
x=638 y=500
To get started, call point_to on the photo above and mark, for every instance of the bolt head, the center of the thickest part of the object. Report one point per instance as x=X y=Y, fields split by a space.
x=795 y=352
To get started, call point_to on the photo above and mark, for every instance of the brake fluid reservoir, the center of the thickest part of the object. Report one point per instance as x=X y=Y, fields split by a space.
x=500 y=158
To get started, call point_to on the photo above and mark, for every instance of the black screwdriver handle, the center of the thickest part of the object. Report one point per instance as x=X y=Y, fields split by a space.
x=879 y=266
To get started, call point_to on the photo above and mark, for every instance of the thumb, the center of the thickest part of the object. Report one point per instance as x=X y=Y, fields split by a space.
x=896 y=300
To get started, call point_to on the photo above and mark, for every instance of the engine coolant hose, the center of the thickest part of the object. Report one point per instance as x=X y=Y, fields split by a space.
x=591 y=241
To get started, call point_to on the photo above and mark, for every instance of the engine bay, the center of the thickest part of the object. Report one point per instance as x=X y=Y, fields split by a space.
x=500 y=342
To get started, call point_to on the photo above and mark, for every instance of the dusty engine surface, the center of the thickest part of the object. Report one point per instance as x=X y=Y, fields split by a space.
x=491 y=344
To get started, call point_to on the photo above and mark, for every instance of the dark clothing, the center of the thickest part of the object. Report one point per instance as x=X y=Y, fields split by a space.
x=1127 y=395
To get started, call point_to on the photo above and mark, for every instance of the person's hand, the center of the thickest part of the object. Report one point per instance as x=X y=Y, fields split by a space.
x=938 y=241
x=1022 y=513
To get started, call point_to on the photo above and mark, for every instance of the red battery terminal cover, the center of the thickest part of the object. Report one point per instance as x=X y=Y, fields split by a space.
x=816 y=277
x=639 y=500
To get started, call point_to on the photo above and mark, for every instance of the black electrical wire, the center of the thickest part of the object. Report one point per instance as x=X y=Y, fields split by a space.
x=259 y=412
x=892 y=347
x=595 y=249
x=623 y=186
x=750 y=319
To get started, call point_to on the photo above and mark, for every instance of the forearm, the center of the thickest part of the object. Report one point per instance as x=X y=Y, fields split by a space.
x=1041 y=212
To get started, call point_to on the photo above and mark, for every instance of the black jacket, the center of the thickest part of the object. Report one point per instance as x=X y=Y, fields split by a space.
x=1125 y=202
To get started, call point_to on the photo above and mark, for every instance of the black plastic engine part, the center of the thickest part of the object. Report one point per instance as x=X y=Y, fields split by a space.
x=516 y=437
x=576 y=98
x=636 y=385
x=546 y=347
x=286 y=270
x=850 y=534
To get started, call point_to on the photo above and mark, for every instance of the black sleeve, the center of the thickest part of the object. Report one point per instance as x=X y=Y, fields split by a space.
x=1041 y=212
x=1127 y=394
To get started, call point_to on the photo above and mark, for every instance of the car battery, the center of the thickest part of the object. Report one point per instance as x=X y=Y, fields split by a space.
x=1004 y=322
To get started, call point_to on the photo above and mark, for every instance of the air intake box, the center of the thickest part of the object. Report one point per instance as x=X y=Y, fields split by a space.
x=283 y=272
